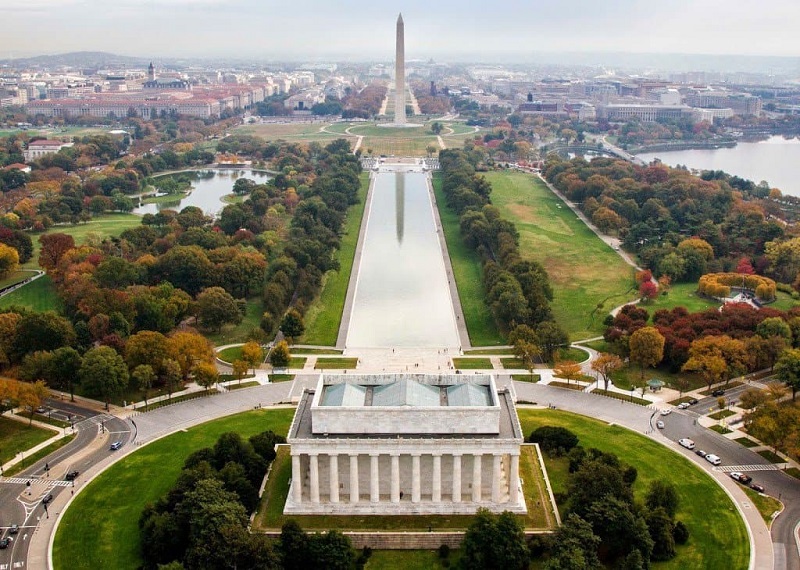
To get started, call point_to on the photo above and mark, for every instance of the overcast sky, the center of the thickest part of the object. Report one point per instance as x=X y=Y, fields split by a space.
x=325 y=29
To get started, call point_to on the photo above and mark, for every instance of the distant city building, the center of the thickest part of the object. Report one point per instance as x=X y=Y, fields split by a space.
x=645 y=113
x=544 y=108
x=40 y=148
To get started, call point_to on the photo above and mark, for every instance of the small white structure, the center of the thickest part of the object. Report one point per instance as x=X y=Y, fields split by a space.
x=405 y=444
x=39 y=148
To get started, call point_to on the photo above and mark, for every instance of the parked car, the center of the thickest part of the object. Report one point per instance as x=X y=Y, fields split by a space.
x=718 y=392
x=13 y=529
x=4 y=542
x=741 y=477
x=660 y=424
x=47 y=499
x=757 y=487
x=683 y=405
x=41 y=410
x=686 y=442
x=713 y=459
x=71 y=476
x=115 y=446
x=693 y=401
x=666 y=411
x=701 y=453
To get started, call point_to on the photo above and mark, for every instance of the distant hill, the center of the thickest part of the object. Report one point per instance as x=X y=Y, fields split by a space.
x=82 y=59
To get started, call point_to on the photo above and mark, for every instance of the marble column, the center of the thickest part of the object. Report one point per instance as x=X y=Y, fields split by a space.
x=354 y=478
x=496 y=477
x=374 y=479
x=297 y=480
x=313 y=477
x=436 y=491
x=513 y=480
x=457 y=478
x=415 y=479
x=333 y=477
x=476 y=478
x=395 y=478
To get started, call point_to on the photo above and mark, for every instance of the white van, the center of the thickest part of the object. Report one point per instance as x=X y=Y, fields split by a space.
x=687 y=443
x=713 y=459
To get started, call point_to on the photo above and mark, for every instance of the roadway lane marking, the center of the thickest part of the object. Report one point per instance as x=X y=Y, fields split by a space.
x=34 y=481
x=761 y=467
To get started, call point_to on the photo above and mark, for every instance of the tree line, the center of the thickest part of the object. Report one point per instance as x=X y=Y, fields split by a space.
x=517 y=291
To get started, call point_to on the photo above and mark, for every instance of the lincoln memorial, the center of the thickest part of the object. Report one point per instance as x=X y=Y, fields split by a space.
x=405 y=444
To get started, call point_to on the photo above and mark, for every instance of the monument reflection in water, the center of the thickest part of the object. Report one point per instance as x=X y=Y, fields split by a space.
x=402 y=297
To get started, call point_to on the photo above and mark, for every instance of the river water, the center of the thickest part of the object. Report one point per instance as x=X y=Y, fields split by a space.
x=776 y=160
x=208 y=188
x=402 y=297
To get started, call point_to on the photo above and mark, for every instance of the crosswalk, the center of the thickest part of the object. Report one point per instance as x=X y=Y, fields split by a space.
x=34 y=481
x=732 y=468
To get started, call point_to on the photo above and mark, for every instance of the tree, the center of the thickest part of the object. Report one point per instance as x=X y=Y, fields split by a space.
x=775 y=425
x=206 y=375
x=216 y=307
x=554 y=439
x=170 y=375
x=568 y=369
x=619 y=528
x=662 y=494
x=41 y=331
x=550 y=337
x=9 y=260
x=787 y=369
x=240 y=368
x=605 y=365
x=493 y=541
x=574 y=546
x=104 y=373
x=774 y=326
x=280 y=356
x=9 y=394
x=146 y=347
x=65 y=366
x=144 y=376
x=292 y=325
x=253 y=355
x=436 y=128
x=648 y=290
x=527 y=352
x=647 y=347
x=189 y=349
x=54 y=246
x=710 y=367
x=31 y=395
x=661 y=528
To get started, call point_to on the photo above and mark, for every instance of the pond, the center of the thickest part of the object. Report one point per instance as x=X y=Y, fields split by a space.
x=208 y=188
x=402 y=297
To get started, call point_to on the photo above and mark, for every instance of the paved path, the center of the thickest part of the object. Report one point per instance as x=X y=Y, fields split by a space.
x=461 y=323
x=347 y=310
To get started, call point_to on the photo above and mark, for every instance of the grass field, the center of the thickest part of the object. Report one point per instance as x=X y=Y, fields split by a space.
x=230 y=354
x=681 y=295
x=410 y=560
x=584 y=272
x=16 y=437
x=38 y=295
x=15 y=277
x=291 y=132
x=100 y=529
x=472 y=363
x=231 y=334
x=296 y=362
x=469 y=279
x=746 y=441
x=718 y=538
x=100 y=226
x=515 y=363
x=398 y=146
x=44 y=452
x=336 y=363
x=324 y=316
x=249 y=384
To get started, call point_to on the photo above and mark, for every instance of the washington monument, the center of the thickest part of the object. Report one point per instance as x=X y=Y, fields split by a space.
x=400 y=75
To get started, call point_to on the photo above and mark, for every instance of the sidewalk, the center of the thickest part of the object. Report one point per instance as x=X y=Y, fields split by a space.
x=60 y=434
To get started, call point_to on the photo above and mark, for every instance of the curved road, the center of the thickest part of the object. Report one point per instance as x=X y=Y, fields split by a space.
x=163 y=421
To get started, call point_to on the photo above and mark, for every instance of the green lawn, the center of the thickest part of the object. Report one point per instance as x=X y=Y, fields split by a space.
x=681 y=295
x=512 y=363
x=231 y=334
x=765 y=504
x=281 y=377
x=316 y=351
x=532 y=378
x=718 y=538
x=410 y=560
x=584 y=272
x=16 y=437
x=336 y=363
x=230 y=354
x=783 y=302
x=324 y=316
x=297 y=362
x=469 y=279
x=747 y=442
x=489 y=352
x=14 y=278
x=249 y=384
x=624 y=397
x=42 y=453
x=720 y=429
x=472 y=363
x=39 y=295
x=100 y=529
x=722 y=414
x=771 y=456
x=103 y=226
